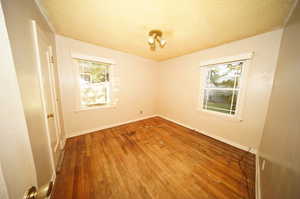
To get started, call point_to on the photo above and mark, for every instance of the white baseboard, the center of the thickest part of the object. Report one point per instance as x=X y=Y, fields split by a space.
x=245 y=148
x=257 y=178
x=74 y=134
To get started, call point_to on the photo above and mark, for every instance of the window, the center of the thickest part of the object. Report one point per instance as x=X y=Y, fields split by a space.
x=221 y=91
x=94 y=83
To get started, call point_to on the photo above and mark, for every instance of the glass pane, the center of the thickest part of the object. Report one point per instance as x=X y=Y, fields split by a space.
x=224 y=75
x=93 y=82
x=85 y=78
x=97 y=71
x=93 y=94
x=218 y=100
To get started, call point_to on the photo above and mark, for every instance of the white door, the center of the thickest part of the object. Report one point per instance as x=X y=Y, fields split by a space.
x=16 y=157
x=47 y=84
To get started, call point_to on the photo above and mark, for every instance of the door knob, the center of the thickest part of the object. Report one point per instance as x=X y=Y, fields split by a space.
x=30 y=193
x=50 y=115
x=43 y=192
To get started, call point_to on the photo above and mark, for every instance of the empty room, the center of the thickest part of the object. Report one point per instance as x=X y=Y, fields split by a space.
x=150 y=99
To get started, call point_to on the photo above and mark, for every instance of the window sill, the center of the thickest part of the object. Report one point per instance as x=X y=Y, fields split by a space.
x=221 y=115
x=108 y=106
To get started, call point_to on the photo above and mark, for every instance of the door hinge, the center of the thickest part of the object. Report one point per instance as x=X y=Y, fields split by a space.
x=51 y=60
x=50 y=115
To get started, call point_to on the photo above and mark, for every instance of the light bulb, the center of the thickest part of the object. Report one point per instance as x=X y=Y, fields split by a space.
x=162 y=43
x=150 y=40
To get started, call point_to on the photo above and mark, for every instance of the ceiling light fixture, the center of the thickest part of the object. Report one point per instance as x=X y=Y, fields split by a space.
x=156 y=36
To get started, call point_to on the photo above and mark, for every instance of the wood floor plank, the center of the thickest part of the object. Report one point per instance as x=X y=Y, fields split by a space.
x=153 y=159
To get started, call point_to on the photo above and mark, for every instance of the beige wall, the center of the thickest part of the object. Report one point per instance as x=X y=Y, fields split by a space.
x=3 y=189
x=171 y=89
x=137 y=87
x=18 y=16
x=179 y=82
x=281 y=137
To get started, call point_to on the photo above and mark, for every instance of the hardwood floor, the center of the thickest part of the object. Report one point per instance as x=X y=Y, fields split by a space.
x=153 y=158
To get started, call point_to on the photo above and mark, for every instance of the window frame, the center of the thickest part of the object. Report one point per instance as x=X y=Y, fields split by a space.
x=111 y=63
x=204 y=68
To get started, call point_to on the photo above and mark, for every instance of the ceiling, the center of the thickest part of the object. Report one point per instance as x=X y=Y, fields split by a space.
x=187 y=25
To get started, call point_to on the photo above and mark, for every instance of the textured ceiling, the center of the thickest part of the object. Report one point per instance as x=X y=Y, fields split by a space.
x=187 y=25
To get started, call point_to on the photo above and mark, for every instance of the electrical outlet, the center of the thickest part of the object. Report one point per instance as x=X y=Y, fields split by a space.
x=141 y=111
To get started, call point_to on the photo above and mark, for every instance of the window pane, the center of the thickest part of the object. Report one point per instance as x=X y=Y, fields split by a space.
x=224 y=75
x=219 y=101
x=85 y=78
x=94 y=81
x=93 y=94
x=97 y=71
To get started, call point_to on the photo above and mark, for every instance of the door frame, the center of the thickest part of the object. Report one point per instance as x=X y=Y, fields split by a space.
x=54 y=97
x=43 y=99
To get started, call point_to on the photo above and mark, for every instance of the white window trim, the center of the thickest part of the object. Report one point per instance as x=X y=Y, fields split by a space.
x=240 y=57
x=204 y=66
x=78 y=107
x=92 y=58
x=107 y=106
